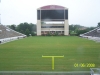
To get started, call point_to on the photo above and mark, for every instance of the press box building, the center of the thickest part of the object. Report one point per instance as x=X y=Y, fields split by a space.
x=52 y=19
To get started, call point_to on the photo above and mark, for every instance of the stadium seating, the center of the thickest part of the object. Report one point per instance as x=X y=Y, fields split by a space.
x=7 y=34
x=93 y=34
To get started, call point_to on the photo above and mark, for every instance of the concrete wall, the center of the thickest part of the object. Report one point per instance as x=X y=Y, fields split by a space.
x=38 y=27
x=66 y=28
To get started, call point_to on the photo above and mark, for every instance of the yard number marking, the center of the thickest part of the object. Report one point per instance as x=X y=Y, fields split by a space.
x=52 y=60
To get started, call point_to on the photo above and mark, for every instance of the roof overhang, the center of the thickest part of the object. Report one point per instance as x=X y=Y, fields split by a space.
x=52 y=7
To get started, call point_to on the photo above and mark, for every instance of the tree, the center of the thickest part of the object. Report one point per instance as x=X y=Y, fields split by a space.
x=27 y=32
x=78 y=29
x=81 y=31
x=98 y=24
x=74 y=28
x=13 y=27
x=26 y=28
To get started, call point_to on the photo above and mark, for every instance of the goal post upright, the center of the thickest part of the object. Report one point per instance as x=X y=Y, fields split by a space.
x=53 y=59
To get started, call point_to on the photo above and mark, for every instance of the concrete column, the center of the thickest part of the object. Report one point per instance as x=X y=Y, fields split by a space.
x=66 y=27
x=38 y=27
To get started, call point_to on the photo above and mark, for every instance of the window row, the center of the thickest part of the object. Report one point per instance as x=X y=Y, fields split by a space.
x=52 y=26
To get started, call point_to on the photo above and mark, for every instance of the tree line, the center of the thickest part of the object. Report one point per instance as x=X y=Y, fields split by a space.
x=29 y=29
x=78 y=29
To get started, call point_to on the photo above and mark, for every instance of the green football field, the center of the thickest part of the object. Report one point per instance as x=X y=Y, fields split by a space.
x=26 y=54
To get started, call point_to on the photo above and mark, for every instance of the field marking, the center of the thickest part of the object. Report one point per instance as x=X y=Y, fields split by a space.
x=52 y=60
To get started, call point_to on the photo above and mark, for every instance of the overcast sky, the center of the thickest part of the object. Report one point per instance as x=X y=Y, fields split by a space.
x=82 y=12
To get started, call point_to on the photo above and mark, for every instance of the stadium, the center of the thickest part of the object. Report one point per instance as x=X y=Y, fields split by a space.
x=49 y=55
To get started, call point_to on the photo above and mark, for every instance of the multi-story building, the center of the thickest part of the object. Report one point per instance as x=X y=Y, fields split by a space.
x=52 y=19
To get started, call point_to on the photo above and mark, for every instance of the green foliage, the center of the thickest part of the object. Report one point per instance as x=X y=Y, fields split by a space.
x=98 y=24
x=27 y=32
x=52 y=34
x=73 y=29
x=77 y=29
x=81 y=32
x=48 y=34
x=25 y=28
x=56 y=34
x=13 y=27
x=33 y=33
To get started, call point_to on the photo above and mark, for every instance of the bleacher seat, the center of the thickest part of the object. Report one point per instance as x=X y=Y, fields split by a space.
x=7 y=34
x=93 y=34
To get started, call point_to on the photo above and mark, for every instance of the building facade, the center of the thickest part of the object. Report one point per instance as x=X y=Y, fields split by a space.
x=52 y=19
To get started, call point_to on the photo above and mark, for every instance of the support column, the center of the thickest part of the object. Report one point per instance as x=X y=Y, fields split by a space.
x=38 y=27
x=66 y=27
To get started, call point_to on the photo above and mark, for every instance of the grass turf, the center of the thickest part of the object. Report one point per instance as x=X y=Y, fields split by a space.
x=26 y=54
